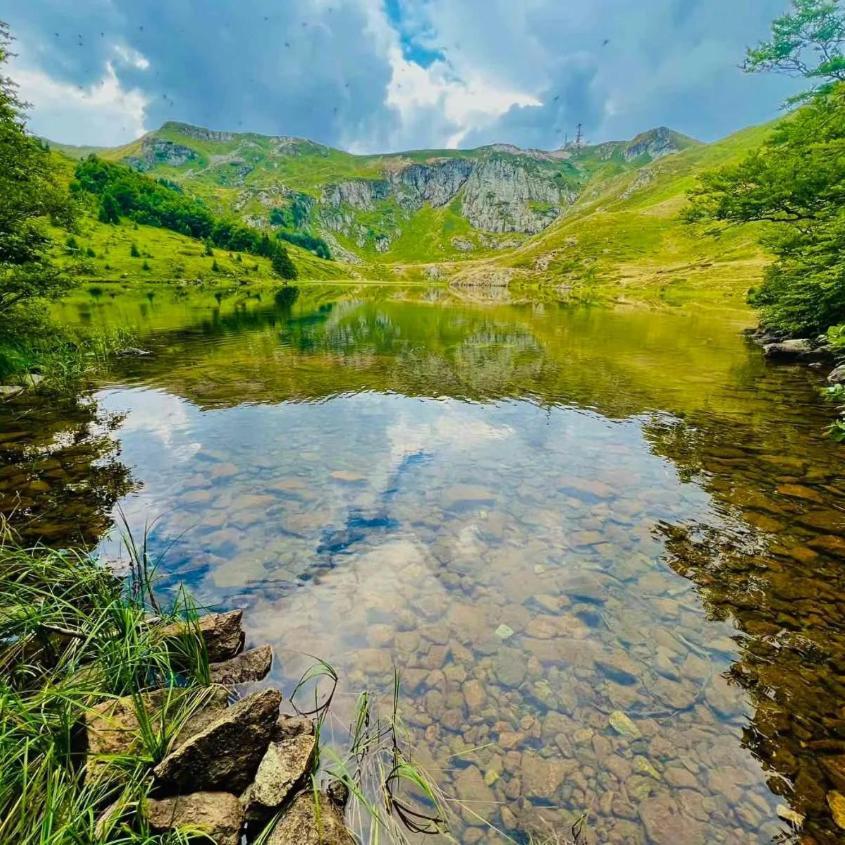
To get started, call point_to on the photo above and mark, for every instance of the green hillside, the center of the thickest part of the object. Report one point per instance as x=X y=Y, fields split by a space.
x=407 y=207
x=625 y=237
x=597 y=221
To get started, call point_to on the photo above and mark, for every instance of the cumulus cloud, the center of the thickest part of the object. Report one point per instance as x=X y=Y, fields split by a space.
x=371 y=75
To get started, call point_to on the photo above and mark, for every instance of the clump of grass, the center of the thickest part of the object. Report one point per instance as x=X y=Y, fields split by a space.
x=73 y=635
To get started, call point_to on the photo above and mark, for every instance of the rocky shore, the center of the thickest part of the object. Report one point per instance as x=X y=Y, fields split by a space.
x=234 y=766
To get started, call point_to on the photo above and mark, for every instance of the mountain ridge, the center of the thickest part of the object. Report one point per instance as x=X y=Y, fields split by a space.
x=371 y=206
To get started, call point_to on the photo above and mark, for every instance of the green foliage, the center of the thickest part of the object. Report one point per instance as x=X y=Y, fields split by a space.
x=109 y=209
x=156 y=203
x=72 y=636
x=30 y=194
x=310 y=242
x=282 y=265
x=134 y=251
x=796 y=181
x=808 y=42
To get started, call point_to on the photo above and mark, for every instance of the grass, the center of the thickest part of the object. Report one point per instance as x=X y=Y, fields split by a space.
x=73 y=635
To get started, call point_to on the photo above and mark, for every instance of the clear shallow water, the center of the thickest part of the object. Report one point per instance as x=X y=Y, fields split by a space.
x=544 y=517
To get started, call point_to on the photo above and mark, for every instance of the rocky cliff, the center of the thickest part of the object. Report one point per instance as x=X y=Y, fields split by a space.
x=368 y=202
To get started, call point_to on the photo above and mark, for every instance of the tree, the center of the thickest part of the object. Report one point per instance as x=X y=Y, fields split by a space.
x=215 y=267
x=795 y=182
x=282 y=265
x=109 y=209
x=30 y=195
x=134 y=252
x=806 y=42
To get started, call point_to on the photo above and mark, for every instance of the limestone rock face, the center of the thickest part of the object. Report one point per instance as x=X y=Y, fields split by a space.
x=507 y=195
x=226 y=754
x=218 y=814
x=282 y=770
x=252 y=665
x=299 y=825
x=222 y=632
x=155 y=151
x=436 y=183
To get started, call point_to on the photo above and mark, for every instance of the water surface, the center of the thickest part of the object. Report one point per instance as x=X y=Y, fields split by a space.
x=545 y=517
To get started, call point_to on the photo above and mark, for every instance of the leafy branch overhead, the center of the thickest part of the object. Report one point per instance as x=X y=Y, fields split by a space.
x=806 y=42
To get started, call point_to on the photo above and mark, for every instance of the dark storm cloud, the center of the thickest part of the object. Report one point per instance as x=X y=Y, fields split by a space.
x=304 y=68
x=323 y=68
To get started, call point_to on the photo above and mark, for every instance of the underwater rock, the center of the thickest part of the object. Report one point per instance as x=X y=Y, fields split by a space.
x=623 y=725
x=666 y=825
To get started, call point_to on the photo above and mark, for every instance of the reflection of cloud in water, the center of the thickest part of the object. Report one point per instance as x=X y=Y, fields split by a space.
x=156 y=413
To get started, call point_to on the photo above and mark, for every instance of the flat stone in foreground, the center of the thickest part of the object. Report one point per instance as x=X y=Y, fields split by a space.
x=218 y=814
x=226 y=754
x=300 y=826
x=252 y=665
x=282 y=770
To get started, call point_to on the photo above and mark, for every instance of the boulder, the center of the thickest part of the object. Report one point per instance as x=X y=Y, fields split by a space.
x=222 y=633
x=112 y=727
x=252 y=665
x=797 y=349
x=227 y=752
x=837 y=374
x=301 y=825
x=282 y=770
x=216 y=814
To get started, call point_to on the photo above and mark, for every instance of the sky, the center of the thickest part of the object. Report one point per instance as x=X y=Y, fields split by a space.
x=383 y=75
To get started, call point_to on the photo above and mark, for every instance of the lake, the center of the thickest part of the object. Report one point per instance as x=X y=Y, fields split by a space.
x=603 y=547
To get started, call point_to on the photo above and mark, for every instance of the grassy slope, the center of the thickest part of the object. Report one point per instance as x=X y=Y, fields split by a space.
x=625 y=235
x=169 y=256
x=242 y=175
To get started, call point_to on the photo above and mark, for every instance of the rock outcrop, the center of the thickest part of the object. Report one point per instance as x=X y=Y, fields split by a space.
x=282 y=771
x=227 y=753
x=221 y=632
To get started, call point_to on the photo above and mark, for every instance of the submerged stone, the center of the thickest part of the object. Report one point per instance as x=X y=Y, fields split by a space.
x=623 y=725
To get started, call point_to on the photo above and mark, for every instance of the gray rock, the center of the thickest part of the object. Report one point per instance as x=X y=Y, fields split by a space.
x=227 y=753
x=282 y=771
x=837 y=375
x=113 y=729
x=217 y=814
x=222 y=633
x=252 y=665
x=300 y=824
x=797 y=349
